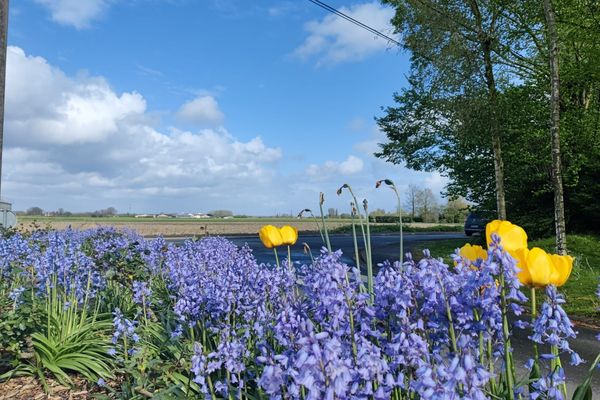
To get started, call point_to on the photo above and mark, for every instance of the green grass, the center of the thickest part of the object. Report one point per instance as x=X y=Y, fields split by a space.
x=580 y=289
x=393 y=228
x=441 y=248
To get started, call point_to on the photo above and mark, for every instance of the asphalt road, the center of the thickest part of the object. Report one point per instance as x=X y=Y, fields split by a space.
x=386 y=247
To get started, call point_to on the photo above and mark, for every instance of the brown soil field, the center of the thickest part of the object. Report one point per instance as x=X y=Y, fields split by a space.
x=172 y=228
x=177 y=229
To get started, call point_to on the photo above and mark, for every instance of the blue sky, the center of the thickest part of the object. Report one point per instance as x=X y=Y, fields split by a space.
x=186 y=106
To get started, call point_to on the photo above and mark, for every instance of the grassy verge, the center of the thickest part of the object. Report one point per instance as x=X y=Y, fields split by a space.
x=393 y=228
x=580 y=289
x=441 y=248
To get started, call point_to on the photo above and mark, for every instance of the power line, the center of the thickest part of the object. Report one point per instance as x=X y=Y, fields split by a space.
x=354 y=21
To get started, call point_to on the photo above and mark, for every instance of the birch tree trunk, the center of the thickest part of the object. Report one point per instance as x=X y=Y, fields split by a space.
x=485 y=41
x=559 y=206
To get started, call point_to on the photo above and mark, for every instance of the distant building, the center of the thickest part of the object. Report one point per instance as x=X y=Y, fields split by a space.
x=144 y=216
x=200 y=215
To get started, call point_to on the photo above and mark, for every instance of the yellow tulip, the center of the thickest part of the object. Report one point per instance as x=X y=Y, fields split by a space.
x=270 y=236
x=473 y=252
x=289 y=234
x=512 y=237
x=563 y=265
x=540 y=267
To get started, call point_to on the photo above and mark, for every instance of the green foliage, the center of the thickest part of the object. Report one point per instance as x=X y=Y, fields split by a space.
x=158 y=365
x=15 y=329
x=393 y=228
x=441 y=121
x=68 y=340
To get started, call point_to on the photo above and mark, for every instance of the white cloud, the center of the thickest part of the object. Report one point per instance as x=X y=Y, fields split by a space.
x=54 y=109
x=334 y=39
x=78 y=13
x=350 y=166
x=73 y=142
x=201 y=110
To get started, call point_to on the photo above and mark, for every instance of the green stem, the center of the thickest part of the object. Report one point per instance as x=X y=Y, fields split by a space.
x=556 y=364
x=481 y=353
x=189 y=382
x=451 y=330
x=85 y=301
x=369 y=261
x=506 y=336
x=144 y=309
x=125 y=349
x=325 y=227
x=356 y=254
x=318 y=227
x=400 y=221
x=533 y=318
x=351 y=315
x=289 y=258
x=276 y=257
x=360 y=221
x=490 y=356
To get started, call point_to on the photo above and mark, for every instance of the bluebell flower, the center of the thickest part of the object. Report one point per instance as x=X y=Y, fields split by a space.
x=141 y=292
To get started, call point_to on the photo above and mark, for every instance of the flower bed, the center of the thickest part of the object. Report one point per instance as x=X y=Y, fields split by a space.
x=204 y=319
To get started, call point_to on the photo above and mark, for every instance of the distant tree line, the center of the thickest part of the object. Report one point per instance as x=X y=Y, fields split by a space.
x=38 y=211
x=421 y=205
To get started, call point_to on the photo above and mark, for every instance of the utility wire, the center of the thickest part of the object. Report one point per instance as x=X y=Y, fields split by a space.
x=354 y=21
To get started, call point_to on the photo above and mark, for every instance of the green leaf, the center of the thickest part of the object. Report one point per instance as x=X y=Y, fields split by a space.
x=583 y=392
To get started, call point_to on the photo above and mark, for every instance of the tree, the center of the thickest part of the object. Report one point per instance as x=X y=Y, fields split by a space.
x=377 y=212
x=34 y=211
x=221 y=213
x=452 y=44
x=456 y=210
x=559 y=208
x=411 y=200
x=427 y=206
x=436 y=123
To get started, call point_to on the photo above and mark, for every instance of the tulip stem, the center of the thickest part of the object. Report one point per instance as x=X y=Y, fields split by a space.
x=276 y=256
x=289 y=257
x=533 y=318
x=506 y=336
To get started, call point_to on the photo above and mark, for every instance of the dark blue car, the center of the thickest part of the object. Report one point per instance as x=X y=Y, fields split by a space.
x=477 y=220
